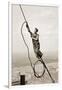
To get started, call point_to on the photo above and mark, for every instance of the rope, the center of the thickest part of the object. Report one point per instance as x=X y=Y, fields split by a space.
x=33 y=66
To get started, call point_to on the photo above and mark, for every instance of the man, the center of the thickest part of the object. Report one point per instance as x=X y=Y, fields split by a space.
x=35 y=41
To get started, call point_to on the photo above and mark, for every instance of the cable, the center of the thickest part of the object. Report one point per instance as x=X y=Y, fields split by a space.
x=22 y=13
x=42 y=62
x=33 y=66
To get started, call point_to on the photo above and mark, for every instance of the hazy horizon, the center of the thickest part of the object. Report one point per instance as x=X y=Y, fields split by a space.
x=23 y=60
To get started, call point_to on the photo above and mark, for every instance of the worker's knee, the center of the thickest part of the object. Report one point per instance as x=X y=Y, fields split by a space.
x=39 y=54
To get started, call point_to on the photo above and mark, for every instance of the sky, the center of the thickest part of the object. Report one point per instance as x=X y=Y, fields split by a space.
x=45 y=18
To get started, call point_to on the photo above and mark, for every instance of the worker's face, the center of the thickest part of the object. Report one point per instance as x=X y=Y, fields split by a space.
x=35 y=31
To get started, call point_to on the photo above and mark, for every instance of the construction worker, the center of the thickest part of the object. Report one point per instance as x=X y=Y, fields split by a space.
x=35 y=41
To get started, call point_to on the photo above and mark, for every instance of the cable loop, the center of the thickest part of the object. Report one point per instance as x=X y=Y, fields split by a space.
x=33 y=66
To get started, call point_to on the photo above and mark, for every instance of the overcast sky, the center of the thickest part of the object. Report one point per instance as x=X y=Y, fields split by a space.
x=42 y=17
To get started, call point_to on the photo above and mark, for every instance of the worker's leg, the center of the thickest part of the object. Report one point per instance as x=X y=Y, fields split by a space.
x=39 y=54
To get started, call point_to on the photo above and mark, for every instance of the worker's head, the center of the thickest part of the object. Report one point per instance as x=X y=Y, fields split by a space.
x=36 y=30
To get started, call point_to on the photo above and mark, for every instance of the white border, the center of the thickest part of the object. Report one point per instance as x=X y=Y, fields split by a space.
x=33 y=2
x=37 y=2
x=9 y=44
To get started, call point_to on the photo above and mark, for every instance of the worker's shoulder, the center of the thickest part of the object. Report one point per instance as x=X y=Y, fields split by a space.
x=37 y=34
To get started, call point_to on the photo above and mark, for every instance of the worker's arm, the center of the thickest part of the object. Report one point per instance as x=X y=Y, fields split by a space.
x=35 y=38
x=27 y=26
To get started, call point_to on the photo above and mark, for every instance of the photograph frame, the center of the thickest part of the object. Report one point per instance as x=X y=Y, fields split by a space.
x=9 y=35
